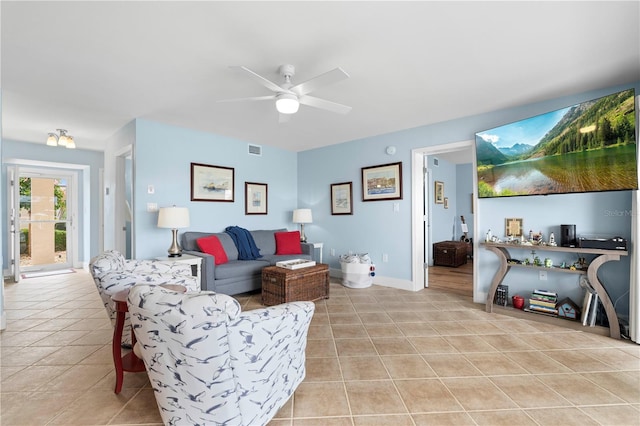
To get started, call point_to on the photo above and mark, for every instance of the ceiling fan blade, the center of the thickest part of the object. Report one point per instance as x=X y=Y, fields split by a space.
x=260 y=79
x=253 y=98
x=284 y=118
x=324 y=104
x=329 y=77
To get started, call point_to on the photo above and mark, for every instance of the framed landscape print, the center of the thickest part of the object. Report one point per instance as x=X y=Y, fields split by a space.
x=382 y=182
x=255 y=198
x=211 y=183
x=439 y=192
x=341 y=198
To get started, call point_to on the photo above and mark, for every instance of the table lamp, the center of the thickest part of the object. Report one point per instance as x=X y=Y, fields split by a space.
x=173 y=218
x=302 y=216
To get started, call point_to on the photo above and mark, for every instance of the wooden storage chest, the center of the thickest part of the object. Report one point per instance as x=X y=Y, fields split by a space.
x=281 y=285
x=449 y=253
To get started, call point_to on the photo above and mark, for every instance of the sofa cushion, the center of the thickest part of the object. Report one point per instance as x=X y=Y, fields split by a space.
x=240 y=268
x=211 y=245
x=265 y=241
x=288 y=242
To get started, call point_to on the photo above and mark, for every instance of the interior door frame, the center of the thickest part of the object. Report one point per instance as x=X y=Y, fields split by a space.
x=420 y=232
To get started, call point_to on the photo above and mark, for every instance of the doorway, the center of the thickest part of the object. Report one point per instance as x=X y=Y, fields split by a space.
x=427 y=221
x=41 y=219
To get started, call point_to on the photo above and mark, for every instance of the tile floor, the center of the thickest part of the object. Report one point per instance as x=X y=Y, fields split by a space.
x=375 y=356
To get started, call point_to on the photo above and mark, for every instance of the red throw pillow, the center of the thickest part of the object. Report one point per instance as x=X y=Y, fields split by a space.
x=288 y=242
x=211 y=245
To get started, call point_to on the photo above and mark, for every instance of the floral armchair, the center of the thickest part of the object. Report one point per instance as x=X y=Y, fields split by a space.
x=112 y=273
x=209 y=363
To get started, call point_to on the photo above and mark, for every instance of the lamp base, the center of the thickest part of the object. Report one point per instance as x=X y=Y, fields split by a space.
x=303 y=238
x=174 y=250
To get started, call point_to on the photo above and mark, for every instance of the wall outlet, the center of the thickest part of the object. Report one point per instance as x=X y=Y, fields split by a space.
x=385 y=257
x=333 y=252
x=542 y=275
x=152 y=207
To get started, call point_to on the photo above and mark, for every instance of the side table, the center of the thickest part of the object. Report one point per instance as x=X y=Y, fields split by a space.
x=129 y=362
x=194 y=261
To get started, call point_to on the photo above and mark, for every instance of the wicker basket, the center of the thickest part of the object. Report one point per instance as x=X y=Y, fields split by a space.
x=281 y=285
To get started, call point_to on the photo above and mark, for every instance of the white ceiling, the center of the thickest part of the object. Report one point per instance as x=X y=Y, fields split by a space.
x=92 y=67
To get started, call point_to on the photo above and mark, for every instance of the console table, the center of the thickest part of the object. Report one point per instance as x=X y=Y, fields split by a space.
x=602 y=256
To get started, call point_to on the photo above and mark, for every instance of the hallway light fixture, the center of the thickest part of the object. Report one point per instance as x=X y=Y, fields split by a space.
x=61 y=140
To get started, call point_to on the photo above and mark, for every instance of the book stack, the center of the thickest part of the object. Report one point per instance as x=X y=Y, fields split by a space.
x=590 y=304
x=543 y=302
x=502 y=295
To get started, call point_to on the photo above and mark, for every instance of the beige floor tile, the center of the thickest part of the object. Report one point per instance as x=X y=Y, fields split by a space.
x=56 y=350
x=374 y=397
x=355 y=347
x=363 y=368
x=570 y=416
x=617 y=415
x=502 y=418
x=426 y=395
x=383 y=330
x=478 y=393
x=623 y=385
x=451 y=365
x=494 y=364
x=469 y=344
x=376 y=317
x=443 y=419
x=393 y=346
x=529 y=392
x=431 y=345
x=579 y=390
x=407 y=367
x=320 y=399
x=322 y=370
x=348 y=331
x=383 y=420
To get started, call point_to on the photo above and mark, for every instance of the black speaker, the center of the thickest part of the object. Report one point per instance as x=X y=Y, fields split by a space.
x=568 y=236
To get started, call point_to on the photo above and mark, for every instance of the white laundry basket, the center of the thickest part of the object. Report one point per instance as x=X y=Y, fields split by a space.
x=357 y=271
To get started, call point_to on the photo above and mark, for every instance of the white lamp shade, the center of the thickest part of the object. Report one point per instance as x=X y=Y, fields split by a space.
x=302 y=216
x=70 y=142
x=287 y=104
x=52 y=140
x=173 y=217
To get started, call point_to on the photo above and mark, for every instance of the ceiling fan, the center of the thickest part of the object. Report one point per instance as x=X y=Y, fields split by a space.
x=289 y=97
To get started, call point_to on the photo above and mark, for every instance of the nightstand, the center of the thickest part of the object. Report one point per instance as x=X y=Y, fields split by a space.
x=189 y=259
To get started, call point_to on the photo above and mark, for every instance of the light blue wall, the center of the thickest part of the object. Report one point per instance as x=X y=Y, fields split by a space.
x=443 y=221
x=163 y=154
x=377 y=229
x=41 y=152
x=464 y=191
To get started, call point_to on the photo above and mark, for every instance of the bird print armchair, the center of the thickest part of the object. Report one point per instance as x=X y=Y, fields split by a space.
x=209 y=363
x=113 y=273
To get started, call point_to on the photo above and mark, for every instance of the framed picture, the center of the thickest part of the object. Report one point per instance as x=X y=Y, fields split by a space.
x=446 y=202
x=382 y=182
x=513 y=227
x=439 y=192
x=341 y=198
x=212 y=183
x=255 y=198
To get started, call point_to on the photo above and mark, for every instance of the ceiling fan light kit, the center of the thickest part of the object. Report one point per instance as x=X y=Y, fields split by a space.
x=287 y=103
x=289 y=97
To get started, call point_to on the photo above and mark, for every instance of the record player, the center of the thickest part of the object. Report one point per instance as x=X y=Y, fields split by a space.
x=604 y=243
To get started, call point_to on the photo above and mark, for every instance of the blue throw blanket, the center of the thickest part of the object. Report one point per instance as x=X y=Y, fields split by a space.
x=247 y=249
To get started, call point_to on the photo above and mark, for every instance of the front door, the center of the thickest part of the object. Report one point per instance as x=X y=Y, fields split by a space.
x=42 y=221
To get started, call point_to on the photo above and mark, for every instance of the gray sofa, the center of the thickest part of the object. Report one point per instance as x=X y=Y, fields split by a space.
x=238 y=276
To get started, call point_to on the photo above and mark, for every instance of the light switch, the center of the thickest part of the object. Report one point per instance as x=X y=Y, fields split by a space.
x=150 y=189
x=396 y=207
x=152 y=207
